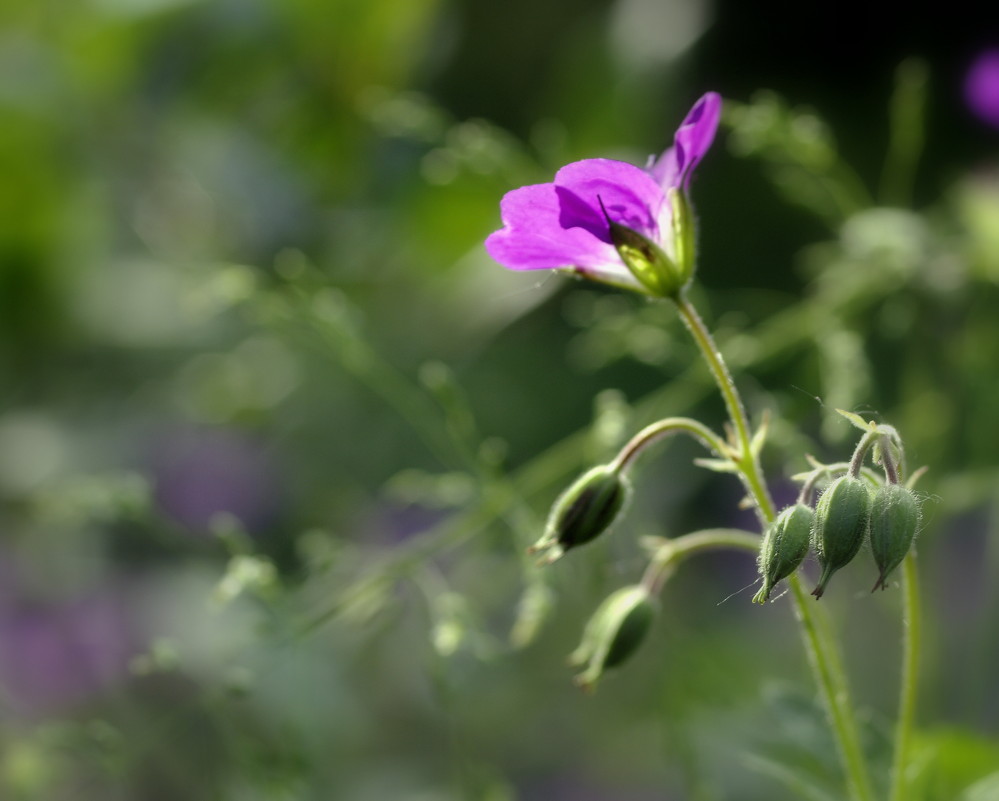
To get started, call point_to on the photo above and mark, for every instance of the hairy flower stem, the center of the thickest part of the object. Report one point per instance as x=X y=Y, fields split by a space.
x=745 y=460
x=664 y=428
x=823 y=656
x=676 y=550
x=912 y=621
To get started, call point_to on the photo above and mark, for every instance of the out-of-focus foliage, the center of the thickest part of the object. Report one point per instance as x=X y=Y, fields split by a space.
x=275 y=433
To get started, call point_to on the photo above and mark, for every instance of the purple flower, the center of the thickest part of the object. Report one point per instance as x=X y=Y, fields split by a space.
x=610 y=221
x=981 y=86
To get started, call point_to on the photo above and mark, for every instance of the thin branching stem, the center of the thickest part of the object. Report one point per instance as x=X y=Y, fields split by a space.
x=674 y=551
x=665 y=428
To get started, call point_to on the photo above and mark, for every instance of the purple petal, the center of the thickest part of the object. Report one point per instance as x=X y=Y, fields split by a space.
x=692 y=140
x=629 y=195
x=981 y=87
x=561 y=224
x=534 y=238
x=665 y=169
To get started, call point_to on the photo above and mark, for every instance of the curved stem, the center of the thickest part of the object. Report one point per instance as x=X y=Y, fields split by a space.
x=807 y=493
x=860 y=452
x=664 y=428
x=912 y=617
x=823 y=656
x=709 y=539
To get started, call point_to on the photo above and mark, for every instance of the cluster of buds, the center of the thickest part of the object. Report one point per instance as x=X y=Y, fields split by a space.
x=855 y=508
x=849 y=513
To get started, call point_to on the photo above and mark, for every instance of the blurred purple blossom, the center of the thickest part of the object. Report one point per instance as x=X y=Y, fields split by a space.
x=200 y=473
x=981 y=86
x=54 y=654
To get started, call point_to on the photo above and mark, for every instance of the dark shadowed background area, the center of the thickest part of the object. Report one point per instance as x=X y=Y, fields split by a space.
x=275 y=431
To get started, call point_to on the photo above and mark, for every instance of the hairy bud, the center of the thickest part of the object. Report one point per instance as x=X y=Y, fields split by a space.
x=613 y=633
x=894 y=520
x=584 y=511
x=784 y=547
x=842 y=518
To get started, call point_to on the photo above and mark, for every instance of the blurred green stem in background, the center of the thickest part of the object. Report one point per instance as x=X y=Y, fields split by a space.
x=907 y=127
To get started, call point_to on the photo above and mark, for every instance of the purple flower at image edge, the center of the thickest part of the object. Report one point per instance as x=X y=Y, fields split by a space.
x=575 y=223
x=981 y=86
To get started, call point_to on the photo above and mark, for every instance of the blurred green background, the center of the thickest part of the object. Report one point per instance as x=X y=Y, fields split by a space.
x=275 y=431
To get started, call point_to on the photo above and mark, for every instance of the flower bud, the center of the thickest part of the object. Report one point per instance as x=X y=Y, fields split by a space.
x=784 y=547
x=842 y=518
x=583 y=511
x=894 y=520
x=616 y=629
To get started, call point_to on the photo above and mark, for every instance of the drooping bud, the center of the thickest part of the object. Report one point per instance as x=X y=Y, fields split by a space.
x=613 y=633
x=584 y=511
x=842 y=518
x=894 y=521
x=784 y=547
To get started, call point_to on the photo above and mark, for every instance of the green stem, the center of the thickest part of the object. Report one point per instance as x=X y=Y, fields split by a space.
x=912 y=616
x=710 y=539
x=664 y=428
x=746 y=460
x=823 y=656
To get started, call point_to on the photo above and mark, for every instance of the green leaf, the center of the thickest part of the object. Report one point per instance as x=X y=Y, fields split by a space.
x=985 y=790
x=857 y=420
x=760 y=436
x=953 y=763
x=717 y=465
x=794 y=779
x=796 y=745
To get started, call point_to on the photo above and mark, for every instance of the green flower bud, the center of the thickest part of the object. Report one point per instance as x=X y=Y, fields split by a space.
x=613 y=633
x=584 y=511
x=842 y=518
x=784 y=547
x=894 y=520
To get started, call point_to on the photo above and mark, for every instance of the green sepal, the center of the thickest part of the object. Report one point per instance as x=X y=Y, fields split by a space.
x=648 y=262
x=684 y=235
